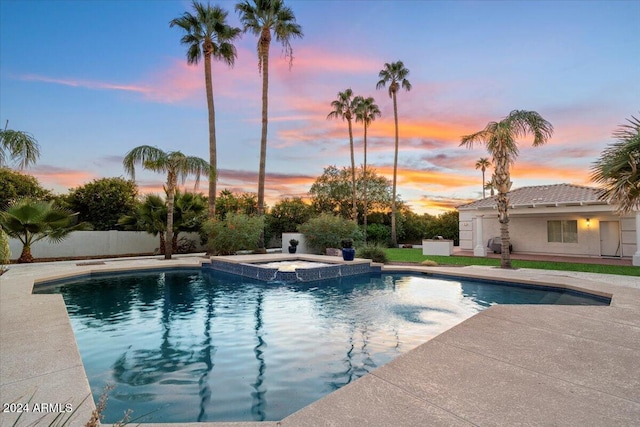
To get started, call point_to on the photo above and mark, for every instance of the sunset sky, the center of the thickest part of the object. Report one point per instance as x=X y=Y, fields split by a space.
x=93 y=79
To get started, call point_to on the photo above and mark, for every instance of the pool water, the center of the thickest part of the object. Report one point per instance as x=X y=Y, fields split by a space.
x=185 y=346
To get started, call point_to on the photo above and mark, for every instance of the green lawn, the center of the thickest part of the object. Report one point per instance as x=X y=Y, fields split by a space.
x=415 y=255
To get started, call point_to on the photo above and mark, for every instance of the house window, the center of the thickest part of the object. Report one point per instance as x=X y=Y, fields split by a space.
x=562 y=231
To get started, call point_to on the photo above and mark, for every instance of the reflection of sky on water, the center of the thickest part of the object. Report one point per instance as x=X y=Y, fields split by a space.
x=186 y=346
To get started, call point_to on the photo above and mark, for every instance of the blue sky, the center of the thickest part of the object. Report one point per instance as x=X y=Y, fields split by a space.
x=93 y=79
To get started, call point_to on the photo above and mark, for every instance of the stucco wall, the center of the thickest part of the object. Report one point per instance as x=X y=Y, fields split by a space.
x=97 y=243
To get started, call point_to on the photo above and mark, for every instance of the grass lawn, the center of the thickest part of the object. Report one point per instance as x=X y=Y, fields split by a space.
x=415 y=255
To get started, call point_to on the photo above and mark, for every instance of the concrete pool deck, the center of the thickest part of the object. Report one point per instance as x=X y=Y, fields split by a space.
x=508 y=365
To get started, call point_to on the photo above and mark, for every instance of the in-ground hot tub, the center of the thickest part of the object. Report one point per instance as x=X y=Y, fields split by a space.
x=292 y=268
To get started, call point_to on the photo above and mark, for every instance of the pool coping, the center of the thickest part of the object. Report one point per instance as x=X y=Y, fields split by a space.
x=583 y=371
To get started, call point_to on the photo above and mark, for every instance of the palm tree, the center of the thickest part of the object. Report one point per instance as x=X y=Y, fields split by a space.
x=261 y=18
x=366 y=112
x=394 y=74
x=491 y=186
x=19 y=146
x=174 y=164
x=150 y=215
x=618 y=168
x=208 y=34
x=31 y=220
x=500 y=140
x=483 y=164
x=344 y=107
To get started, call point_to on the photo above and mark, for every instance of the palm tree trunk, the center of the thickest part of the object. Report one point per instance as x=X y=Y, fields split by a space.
x=265 y=40
x=483 y=189
x=25 y=256
x=503 y=180
x=171 y=191
x=354 y=209
x=364 y=181
x=213 y=159
x=394 y=237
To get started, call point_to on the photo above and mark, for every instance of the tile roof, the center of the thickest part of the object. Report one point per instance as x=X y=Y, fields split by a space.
x=543 y=195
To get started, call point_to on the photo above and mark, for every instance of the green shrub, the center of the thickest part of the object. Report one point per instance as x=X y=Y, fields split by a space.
x=328 y=231
x=236 y=232
x=378 y=233
x=376 y=253
x=5 y=251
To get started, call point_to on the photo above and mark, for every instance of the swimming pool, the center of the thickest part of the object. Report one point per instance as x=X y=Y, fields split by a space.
x=206 y=346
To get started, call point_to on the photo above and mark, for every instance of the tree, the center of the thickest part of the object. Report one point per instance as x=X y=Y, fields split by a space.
x=286 y=215
x=344 y=107
x=229 y=202
x=331 y=192
x=261 y=18
x=103 y=201
x=151 y=216
x=366 y=112
x=500 y=140
x=490 y=185
x=31 y=220
x=20 y=147
x=15 y=185
x=483 y=164
x=394 y=74
x=174 y=164
x=208 y=35
x=618 y=168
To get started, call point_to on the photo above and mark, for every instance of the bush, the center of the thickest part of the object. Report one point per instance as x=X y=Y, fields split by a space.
x=376 y=253
x=5 y=251
x=327 y=231
x=236 y=232
x=378 y=233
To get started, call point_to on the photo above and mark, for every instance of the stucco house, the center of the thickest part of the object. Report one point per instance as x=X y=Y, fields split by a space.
x=561 y=219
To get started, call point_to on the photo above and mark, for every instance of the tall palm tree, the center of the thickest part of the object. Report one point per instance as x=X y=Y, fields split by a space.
x=31 y=220
x=618 y=168
x=483 y=164
x=395 y=75
x=262 y=18
x=344 y=108
x=366 y=111
x=500 y=141
x=208 y=35
x=19 y=146
x=174 y=164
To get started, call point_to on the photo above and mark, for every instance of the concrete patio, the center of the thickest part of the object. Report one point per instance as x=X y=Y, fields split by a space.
x=509 y=365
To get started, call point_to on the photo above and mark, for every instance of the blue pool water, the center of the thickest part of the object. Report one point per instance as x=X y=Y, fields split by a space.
x=192 y=345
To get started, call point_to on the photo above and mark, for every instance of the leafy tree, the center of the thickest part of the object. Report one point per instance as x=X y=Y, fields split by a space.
x=236 y=232
x=500 y=140
x=394 y=74
x=103 y=201
x=16 y=185
x=378 y=233
x=618 y=168
x=446 y=225
x=286 y=215
x=174 y=164
x=20 y=147
x=366 y=112
x=415 y=226
x=331 y=192
x=262 y=18
x=31 y=220
x=327 y=231
x=482 y=164
x=208 y=34
x=344 y=108
x=228 y=202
